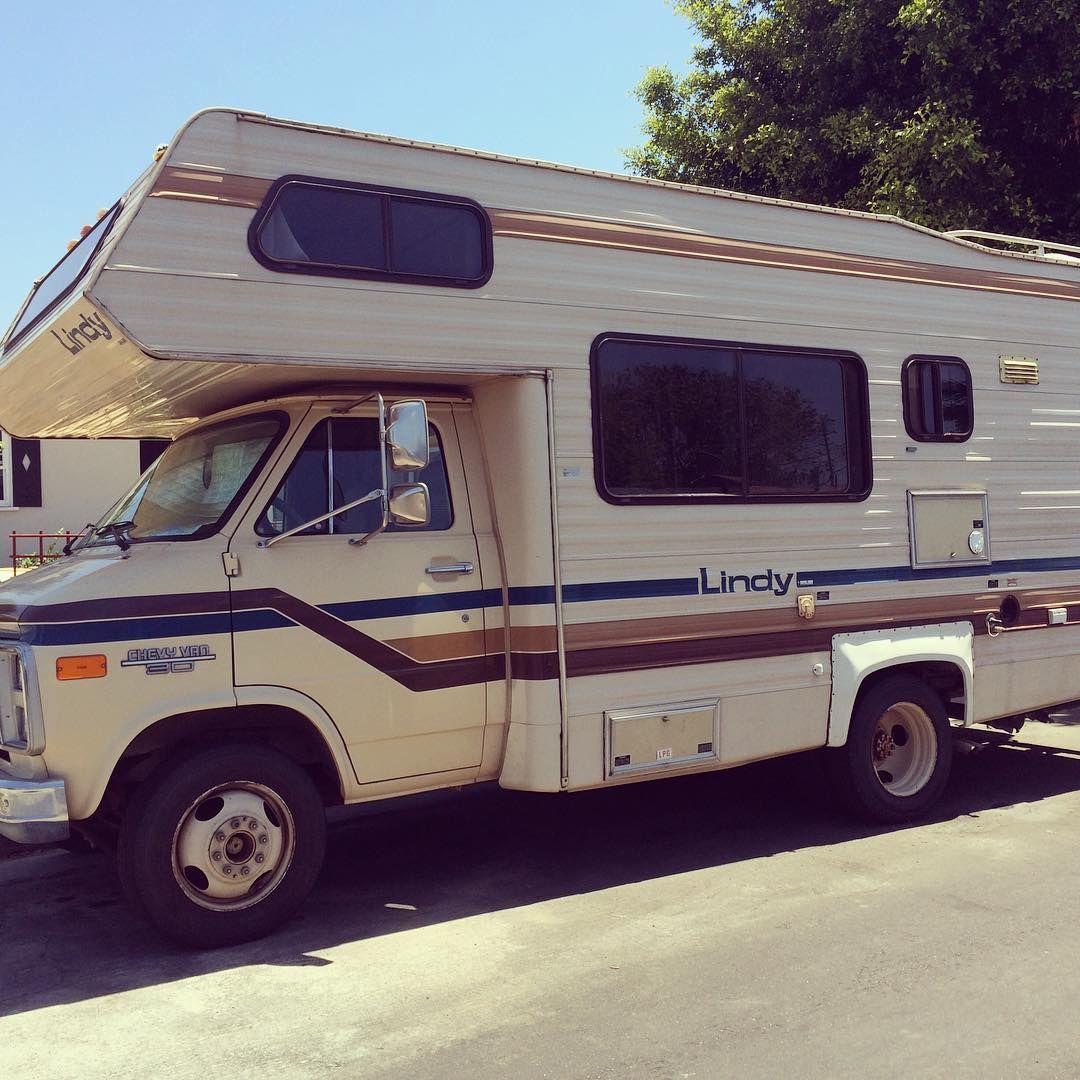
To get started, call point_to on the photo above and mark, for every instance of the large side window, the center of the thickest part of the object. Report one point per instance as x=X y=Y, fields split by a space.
x=339 y=229
x=338 y=464
x=938 y=405
x=677 y=420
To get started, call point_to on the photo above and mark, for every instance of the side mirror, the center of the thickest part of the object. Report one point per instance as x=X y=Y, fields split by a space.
x=410 y=505
x=407 y=434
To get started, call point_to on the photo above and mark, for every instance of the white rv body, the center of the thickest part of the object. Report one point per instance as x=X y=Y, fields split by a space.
x=592 y=637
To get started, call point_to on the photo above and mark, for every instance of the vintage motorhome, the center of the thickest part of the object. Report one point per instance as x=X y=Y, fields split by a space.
x=493 y=470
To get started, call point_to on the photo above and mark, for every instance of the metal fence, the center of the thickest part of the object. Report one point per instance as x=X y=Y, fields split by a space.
x=43 y=548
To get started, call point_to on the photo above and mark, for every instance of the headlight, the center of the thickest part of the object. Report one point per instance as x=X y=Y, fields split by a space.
x=20 y=713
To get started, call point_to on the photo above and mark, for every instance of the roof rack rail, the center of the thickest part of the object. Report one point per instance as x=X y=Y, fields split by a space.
x=1046 y=248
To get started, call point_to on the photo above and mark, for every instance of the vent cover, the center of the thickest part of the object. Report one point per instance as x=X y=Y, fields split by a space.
x=1018 y=369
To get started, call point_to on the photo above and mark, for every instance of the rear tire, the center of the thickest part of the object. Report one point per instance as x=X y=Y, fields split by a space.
x=221 y=846
x=898 y=755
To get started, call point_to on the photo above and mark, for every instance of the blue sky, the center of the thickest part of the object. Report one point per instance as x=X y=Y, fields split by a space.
x=86 y=94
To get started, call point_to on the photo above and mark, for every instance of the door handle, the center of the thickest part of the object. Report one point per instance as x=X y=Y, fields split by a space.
x=451 y=568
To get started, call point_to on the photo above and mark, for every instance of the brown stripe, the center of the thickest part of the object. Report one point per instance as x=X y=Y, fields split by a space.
x=225 y=189
x=831 y=617
x=402 y=669
x=232 y=189
x=570 y=230
x=443 y=660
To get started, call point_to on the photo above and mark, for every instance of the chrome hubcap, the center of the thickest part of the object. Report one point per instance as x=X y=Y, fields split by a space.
x=233 y=846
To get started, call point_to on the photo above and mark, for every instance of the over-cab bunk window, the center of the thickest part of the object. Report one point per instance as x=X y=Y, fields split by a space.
x=61 y=280
x=340 y=229
x=678 y=420
x=938 y=405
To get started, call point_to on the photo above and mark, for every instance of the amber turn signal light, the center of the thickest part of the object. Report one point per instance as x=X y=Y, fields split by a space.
x=81 y=667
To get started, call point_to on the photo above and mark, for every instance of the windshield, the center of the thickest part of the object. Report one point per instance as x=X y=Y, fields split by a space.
x=195 y=484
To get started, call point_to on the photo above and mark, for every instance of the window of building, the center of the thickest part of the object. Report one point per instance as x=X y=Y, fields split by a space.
x=331 y=227
x=339 y=463
x=679 y=420
x=938 y=405
x=5 y=469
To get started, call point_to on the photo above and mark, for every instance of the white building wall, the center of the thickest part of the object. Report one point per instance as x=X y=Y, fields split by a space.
x=80 y=480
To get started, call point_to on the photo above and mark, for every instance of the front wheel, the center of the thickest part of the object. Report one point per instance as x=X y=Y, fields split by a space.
x=896 y=762
x=223 y=845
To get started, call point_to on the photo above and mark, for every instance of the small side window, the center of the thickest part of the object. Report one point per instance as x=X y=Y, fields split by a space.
x=938 y=404
x=338 y=464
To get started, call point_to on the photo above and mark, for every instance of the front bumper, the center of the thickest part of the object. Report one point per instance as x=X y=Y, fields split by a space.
x=33 y=811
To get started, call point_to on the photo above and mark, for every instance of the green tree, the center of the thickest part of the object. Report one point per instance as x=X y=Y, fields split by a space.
x=950 y=113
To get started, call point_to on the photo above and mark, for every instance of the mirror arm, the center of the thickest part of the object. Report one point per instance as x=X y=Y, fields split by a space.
x=378 y=493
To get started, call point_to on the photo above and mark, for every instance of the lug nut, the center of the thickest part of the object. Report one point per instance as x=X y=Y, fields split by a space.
x=244 y=871
x=263 y=838
x=259 y=857
x=219 y=836
x=235 y=823
x=216 y=856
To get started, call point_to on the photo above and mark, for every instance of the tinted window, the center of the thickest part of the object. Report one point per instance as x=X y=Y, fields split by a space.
x=796 y=424
x=725 y=421
x=938 y=404
x=338 y=464
x=435 y=238
x=671 y=419
x=325 y=225
x=352 y=230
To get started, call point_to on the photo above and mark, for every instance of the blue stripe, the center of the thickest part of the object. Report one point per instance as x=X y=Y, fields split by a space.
x=358 y=610
x=261 y=619
x=882 y=574
x=186 y=626
x=629 y=590
x=86 y=633
x=523 y=595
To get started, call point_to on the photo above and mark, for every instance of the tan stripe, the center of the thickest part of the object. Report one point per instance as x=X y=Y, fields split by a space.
x=225 y=189
x=231 y=189
x=433 y=647
x=599 y=635
x=569 y=230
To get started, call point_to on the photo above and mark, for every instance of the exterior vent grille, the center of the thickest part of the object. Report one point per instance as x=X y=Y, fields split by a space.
x=1018 y=369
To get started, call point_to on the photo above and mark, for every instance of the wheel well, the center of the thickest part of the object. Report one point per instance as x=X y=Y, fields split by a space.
x=944 y=678
x=269 y=725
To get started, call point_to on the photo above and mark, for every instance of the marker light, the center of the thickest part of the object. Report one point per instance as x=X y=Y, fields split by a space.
x=81 y=667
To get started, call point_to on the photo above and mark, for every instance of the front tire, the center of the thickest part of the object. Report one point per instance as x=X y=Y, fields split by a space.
x=223 y=845
x=898 y=755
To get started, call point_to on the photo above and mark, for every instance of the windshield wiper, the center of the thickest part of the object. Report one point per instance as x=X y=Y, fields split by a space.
x=90 y=530
x=117 y=530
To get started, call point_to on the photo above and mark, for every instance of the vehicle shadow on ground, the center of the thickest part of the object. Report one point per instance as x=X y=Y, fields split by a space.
x=68 y=935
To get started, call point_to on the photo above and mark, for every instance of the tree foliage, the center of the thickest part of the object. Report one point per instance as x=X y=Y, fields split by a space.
x=950 y=113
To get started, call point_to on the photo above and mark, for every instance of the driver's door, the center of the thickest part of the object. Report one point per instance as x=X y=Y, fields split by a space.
x=387 y=637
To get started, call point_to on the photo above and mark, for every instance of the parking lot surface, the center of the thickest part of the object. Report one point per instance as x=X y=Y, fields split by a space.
x=733 y=924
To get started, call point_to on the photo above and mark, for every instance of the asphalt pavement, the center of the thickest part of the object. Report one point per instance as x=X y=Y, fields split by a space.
x=729 y=925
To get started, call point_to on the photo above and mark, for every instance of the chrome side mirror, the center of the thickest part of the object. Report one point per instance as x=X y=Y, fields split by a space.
x=407 y=434
x=410 y=504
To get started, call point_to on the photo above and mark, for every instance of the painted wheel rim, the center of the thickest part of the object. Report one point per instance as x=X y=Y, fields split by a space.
x=233 y=846
x=904 y=749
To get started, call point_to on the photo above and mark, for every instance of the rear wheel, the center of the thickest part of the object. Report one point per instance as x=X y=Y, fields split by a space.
x=896 y=762
x=223 y=845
